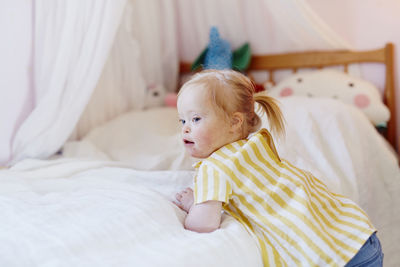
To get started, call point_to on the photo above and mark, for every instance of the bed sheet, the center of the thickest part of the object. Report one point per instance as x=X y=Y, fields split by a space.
x=145 y=140
x=121 y=162
x=71 y=212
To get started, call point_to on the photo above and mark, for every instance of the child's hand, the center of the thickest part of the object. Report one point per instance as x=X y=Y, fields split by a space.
x=185 y=199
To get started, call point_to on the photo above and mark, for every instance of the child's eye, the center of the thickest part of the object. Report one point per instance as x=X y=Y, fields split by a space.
x=182 y=121
x=196 y=119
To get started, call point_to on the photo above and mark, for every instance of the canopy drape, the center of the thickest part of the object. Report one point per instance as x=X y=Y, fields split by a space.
x=144 y=55
x=269 y=26
x=71 y=43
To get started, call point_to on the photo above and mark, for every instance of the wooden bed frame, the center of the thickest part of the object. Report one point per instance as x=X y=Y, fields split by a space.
x=320 y=59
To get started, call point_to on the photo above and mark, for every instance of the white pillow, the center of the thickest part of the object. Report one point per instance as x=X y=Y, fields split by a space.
x=337 y=85
x=143 y=139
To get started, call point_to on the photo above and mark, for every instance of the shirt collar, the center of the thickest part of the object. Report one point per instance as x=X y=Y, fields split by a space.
x=196 y=165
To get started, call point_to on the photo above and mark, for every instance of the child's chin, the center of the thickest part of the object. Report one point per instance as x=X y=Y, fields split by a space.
x=198 y=156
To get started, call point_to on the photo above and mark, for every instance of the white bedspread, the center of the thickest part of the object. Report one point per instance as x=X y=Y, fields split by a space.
x=91 y=208
x=91 y=213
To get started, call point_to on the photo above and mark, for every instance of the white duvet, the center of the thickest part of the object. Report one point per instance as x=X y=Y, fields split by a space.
x=92 y=213
x=107 y=202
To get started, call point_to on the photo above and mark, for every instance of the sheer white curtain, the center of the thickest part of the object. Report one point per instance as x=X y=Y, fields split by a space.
x=154 y=26
x=270 y=26
x=71 y=43
x=144 y=53
x=121 y=86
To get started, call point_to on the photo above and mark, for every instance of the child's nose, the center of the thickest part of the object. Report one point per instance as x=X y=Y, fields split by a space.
x=186 y=129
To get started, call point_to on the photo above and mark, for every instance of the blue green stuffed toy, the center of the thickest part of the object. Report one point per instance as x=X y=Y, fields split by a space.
x=218 y=55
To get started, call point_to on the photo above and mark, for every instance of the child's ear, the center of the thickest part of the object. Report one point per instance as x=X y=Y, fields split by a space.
x=237 y=121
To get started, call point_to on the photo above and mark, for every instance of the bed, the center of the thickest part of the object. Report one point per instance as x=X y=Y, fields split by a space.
x=106 y=200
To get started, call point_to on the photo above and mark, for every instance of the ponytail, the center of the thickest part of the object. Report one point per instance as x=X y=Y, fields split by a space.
x=270 y=106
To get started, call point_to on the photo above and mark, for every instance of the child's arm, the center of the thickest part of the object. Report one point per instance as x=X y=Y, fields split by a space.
x=202 y=218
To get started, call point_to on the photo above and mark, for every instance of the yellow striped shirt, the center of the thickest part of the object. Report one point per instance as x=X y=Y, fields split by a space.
x=296 y=220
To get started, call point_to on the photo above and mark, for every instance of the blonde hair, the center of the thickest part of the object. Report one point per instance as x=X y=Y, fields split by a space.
x=230 y=92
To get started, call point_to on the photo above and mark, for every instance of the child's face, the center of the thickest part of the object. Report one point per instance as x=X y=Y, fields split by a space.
x=203 y=129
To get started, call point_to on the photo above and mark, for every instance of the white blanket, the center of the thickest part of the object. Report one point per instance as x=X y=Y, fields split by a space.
x=102 y=212
x=91 y=213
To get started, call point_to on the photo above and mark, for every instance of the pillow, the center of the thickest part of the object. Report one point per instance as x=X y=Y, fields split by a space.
x=143 y=139
x=337 y=85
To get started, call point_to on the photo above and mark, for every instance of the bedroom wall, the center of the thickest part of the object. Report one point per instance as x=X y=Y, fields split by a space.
x=366 y=24
x=16 y=100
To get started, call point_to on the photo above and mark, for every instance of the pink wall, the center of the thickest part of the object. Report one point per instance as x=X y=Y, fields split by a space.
x=366 y=24
x=16 y=100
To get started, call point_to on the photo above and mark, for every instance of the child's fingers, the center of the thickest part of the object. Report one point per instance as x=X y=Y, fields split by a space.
x=188 y=192
x=178 y=204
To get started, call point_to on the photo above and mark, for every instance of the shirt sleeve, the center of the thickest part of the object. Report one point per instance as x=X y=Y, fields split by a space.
x=211 y=184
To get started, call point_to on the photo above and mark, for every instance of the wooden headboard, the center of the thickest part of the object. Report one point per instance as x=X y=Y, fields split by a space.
x=320 y=59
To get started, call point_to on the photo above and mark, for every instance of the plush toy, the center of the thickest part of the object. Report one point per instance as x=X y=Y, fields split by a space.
x=155 y=96
x=171 y=99
x=337 y=85
x=218 y=55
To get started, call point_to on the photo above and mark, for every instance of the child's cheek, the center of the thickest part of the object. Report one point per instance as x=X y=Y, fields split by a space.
x=205 y=137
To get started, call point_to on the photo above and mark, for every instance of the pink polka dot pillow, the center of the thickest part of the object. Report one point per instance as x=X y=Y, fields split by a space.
x=337 y=85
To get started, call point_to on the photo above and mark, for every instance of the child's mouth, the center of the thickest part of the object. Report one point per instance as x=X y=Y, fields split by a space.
x=187 y=142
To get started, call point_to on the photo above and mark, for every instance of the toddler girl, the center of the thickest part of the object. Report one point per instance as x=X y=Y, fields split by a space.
x=293 y=216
